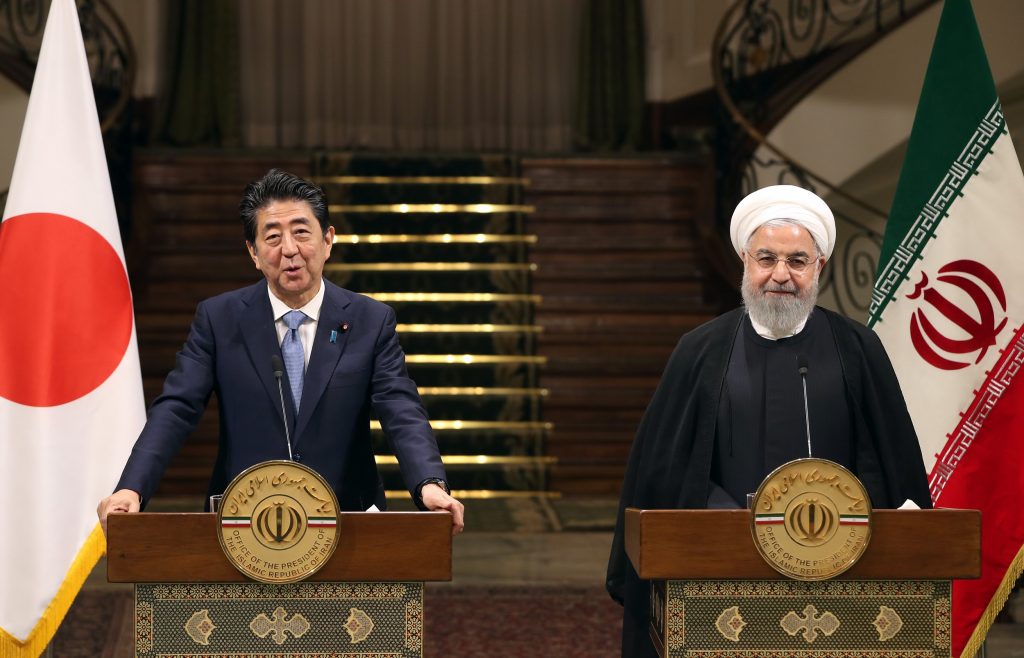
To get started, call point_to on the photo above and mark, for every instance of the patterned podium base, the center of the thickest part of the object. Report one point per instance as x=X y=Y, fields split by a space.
x=315 y=620
x=791 y=619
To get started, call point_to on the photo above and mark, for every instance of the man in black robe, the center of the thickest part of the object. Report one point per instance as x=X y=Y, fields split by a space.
x=730 y=409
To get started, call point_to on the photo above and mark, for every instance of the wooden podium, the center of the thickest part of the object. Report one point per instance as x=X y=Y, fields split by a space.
x=713 y=596
x=366 y=601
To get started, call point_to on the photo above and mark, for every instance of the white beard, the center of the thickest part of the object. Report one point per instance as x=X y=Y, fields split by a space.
x=781 y=315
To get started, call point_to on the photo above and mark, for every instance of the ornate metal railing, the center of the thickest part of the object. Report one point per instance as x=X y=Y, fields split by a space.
x=769 y=55
x=112 y=63
x=111 y=55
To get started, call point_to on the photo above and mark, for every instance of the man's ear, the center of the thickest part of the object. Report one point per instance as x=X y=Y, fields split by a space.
x=252 y=254
x=329 y=237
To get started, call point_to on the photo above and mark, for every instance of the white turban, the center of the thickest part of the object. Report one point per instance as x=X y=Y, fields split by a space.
x=783 y=202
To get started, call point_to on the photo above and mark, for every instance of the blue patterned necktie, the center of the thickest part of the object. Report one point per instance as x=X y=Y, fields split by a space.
x=294 y=355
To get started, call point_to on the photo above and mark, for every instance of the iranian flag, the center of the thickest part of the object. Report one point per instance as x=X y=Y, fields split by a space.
x=71 y=400
x=949 y=306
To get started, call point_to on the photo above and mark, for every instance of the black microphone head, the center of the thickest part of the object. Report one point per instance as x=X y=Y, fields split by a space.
x=801 y=364
x=278 y=366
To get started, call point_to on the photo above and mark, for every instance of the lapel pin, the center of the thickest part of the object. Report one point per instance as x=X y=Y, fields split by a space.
x=343 y=327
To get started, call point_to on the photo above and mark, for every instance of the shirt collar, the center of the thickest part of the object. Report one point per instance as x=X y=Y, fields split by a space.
x=311 y=309
x=763 y=331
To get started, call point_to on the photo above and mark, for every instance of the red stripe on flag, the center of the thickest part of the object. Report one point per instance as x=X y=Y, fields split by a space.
x=986 y=475
x=959 y=442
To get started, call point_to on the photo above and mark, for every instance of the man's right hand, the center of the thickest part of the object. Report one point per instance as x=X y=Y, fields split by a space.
x=124 y=500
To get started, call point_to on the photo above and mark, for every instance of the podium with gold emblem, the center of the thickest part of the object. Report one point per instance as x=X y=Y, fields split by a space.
x=809 y=571
x=279 y=572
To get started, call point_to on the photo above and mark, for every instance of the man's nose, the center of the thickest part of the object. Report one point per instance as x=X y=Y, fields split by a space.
x=289 y=247
x=781 y=272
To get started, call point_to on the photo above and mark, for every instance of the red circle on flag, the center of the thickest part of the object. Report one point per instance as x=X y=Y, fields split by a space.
x=65 y=309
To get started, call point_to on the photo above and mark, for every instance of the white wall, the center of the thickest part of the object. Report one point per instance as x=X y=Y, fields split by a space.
x=679 y=35
x=144 y=21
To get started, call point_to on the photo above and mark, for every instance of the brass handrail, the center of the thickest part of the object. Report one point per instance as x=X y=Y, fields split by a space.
x=478 y=460
x=453 y=297
x=439 y=266
x=420 y=180
x=471 y=359
x=470 y=328
x=467 y=425
x=433 y=238
x=485 y=493
x=482 y=391
x=432 y=208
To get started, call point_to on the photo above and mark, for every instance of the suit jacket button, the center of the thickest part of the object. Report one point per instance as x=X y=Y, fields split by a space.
x=298 y=457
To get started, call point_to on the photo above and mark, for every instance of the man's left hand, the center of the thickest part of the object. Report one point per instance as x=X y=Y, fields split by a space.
x=434 y=498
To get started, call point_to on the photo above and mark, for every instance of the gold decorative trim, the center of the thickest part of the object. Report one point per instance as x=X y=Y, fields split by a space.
x=675 y=626
x=432 y=208
x=430 y=267
x=811 y=623
x=942 y=609
x=420 y=180
x=143 y=626
x=436 y=238
x=827 y=588
x=460 y=425
x=200 y=627
x=279 y=626
x=485 y=494
x=888 y=623
x=482 y=391
x=359 y=625
x=470 y=359
x=307 y=591
x=414 y=625
x=730 y=623
x=470 y=328
x=1013 y=573
x=458 y=297
x=473 y=460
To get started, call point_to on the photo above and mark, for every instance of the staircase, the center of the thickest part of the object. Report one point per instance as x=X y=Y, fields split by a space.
x=441 y=239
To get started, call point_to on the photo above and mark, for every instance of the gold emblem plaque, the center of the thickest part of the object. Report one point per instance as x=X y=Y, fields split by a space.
x=278 y=522
x=811 y=519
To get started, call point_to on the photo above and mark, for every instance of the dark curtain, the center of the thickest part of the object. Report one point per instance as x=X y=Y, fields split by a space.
x=610 y=111
x=200 y=102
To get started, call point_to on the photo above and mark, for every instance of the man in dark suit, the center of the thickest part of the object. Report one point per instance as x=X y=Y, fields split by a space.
x=341 y=358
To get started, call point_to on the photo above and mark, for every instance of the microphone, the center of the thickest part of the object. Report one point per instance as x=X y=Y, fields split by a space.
x=801 y=367
x=275 y=362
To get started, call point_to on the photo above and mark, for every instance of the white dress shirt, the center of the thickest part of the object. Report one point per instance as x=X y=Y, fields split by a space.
x=764 y=332
x=307 y=330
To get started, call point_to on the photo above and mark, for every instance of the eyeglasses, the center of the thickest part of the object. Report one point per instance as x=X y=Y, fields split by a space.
x=769 y=262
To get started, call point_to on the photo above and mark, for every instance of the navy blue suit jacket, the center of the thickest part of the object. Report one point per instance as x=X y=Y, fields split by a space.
x=229 y=350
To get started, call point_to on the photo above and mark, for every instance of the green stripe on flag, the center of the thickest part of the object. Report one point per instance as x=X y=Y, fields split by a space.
x=948 y=114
